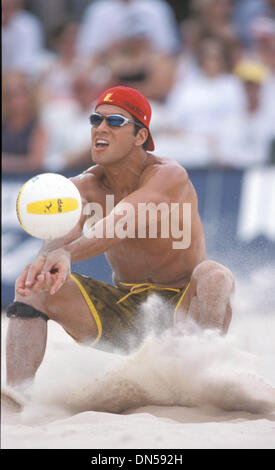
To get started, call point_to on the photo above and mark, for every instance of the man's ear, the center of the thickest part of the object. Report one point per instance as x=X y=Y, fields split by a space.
x=141 y=136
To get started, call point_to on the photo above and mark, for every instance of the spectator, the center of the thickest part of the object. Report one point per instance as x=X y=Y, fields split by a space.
x=67 y=125
x=263 y=33
x=133 y=61
x=22 y=38
x=50 y=13
x=247 y=136
x=210 y=18
x=197 y=107
x=105 y=22
x=23 y=138
x=126 y=49
x=56 y=82
x=246 y=13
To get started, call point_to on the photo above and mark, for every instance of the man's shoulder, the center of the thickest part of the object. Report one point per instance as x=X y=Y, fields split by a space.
x=164 y=168
x=88 y=178
x=92 y=173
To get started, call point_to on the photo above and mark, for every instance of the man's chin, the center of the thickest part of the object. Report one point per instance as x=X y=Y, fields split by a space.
x=100 y=156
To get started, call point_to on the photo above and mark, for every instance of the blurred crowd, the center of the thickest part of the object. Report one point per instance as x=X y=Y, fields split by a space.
x=209 y=76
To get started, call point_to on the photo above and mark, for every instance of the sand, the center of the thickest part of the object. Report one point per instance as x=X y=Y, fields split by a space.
x=187 y=390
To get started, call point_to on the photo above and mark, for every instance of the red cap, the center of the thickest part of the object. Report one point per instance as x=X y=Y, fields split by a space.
x=131 y=100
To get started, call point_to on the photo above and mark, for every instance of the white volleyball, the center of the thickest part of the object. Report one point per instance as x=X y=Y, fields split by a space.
x=48 y=206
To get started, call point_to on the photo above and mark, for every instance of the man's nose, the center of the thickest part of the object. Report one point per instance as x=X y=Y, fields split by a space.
x=103 y=124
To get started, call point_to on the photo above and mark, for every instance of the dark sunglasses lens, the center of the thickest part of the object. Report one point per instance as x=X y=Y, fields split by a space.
x=95 y=120
x=115 y=121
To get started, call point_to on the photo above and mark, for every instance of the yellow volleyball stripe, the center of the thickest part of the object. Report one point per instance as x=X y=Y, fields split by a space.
x=91 y=307
x=17 y=208
x=53 y=206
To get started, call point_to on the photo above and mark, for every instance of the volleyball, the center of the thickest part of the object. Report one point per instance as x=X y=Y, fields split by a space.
x=48 y=206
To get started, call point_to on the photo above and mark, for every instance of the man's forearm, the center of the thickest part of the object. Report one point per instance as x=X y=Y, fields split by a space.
x=61 y=242
x=84 y=248
x=95 y=240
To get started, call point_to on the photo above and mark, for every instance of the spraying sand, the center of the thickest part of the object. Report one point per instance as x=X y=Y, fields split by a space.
x=184 y=389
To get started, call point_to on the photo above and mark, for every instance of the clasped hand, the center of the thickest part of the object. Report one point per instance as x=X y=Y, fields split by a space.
x=47 y=272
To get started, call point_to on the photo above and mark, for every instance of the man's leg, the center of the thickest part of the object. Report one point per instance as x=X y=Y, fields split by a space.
x=209 y=296
x=26 y=337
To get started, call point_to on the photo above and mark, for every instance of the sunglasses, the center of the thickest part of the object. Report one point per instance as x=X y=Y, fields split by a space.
x=113 y=120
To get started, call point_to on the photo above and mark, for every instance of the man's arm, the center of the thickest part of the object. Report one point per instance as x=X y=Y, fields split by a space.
x=33 y=276
x=163 y=184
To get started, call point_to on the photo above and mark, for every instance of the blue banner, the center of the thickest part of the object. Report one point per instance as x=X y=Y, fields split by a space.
x=237 y=209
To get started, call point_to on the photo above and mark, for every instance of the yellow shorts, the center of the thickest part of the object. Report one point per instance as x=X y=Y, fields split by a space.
x=124 y=314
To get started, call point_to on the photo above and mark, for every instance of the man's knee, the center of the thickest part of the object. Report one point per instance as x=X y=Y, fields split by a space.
x=23 y=310
x=214 y=275
x=35 y=299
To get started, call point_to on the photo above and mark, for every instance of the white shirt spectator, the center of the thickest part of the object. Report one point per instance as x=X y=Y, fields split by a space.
x=106 y=21
x=246 y=138
x=202 y=103
x=68 y=130
x=22 y=43
x=189 y=125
